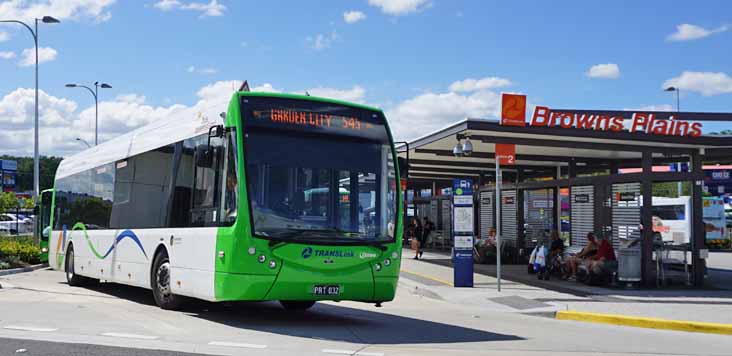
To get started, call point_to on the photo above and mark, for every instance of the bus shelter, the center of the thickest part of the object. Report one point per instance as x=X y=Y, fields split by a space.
x=580 y=178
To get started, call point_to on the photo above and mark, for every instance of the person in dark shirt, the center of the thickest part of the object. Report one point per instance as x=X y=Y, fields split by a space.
x=557 y=244
x=427 y=228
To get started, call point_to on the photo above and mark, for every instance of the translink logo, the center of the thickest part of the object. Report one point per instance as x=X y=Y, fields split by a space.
x=308 y=252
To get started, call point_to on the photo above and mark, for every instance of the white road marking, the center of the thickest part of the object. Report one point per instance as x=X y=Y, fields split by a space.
x=28 y=328
x=350 y=352
x=130 y=336
x=237 y=344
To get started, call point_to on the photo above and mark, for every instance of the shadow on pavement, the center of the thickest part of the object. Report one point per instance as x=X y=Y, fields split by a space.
x=323 y=321
x=518 y=273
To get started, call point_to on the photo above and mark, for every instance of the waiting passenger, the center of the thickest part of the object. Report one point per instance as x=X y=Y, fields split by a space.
x=604 y=261
x=588 y=251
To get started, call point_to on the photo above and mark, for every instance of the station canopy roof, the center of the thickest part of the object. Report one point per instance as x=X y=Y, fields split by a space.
x=544 y=148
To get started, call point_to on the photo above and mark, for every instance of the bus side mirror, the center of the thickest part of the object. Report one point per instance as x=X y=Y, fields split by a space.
x=204 y=158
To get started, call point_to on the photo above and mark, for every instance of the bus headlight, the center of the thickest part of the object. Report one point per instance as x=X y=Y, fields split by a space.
x=387 y=262
x=262 y=258
x=272 y=264
x=44 y=250
x=377 y=267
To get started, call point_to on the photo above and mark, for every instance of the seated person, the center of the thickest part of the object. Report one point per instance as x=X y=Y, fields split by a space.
x=604 y=260
x=588 y=251
x=486 y=246
x=557 y=245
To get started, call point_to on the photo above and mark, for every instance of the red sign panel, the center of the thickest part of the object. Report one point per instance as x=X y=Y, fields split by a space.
x=506 y=154
x=513 y=110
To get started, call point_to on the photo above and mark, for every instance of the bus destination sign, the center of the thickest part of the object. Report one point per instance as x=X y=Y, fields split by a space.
x=313 y=119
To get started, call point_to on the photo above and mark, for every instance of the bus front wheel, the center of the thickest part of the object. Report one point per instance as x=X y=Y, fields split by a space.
x=72 y=278
x=296 y=305
x=162 y=290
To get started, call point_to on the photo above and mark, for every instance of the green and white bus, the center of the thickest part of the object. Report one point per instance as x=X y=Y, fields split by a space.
x=284 y=197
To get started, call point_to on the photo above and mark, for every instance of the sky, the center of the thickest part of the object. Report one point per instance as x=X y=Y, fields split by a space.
x=427 y=63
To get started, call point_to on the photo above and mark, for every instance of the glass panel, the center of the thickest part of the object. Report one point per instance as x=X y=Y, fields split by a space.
x=231 y=193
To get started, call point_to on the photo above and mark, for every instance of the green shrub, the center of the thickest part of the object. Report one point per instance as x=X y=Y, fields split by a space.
x=19 y=249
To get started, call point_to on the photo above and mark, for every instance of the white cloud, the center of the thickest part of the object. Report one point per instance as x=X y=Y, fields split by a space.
x=167 y=5
x=62 y=121
x=208 y=70
x=353 y=16
x=355 y=94
x=605 y=71
x=706 y=83
x=266 y=87
x=431 y=111
x=399 y=7
x=321 y=41
x=17 y=109
x=688 y=32
x=45 y=54
x=75 y=10
x=4 y=36
x=471 y=84
x=212 y=8
x=7 y=55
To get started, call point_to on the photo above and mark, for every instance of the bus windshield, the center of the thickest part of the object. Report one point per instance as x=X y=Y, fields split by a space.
x=318 y=171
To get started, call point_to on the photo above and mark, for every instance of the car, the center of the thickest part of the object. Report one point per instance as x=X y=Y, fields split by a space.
x=14 y=225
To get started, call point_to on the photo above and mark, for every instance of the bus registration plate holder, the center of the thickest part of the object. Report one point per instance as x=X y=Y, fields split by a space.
x=328 y=289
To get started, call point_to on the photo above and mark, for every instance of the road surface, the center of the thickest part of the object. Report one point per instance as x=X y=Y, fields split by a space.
x=41 y=315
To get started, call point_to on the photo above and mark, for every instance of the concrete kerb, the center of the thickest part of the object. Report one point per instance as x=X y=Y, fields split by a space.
x=32 y=268
x=644 y=322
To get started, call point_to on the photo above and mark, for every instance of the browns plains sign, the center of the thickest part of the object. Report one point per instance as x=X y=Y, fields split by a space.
x=649 y=123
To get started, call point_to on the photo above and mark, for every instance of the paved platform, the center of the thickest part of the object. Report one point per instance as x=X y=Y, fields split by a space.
x=522 y=293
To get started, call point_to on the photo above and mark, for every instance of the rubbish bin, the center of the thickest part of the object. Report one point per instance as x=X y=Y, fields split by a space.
x=629 y=264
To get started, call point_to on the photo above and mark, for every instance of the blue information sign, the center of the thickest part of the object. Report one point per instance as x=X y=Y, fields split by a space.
x=462 y=227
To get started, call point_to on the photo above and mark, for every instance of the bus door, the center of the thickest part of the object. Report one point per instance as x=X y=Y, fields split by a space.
x=43 y=223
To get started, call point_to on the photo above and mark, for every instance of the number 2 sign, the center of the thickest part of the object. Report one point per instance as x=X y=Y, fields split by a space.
x=513 y=109
x=506 y=154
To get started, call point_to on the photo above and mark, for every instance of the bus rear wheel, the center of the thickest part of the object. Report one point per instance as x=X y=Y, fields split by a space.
x=292 y=305
x=162 y=290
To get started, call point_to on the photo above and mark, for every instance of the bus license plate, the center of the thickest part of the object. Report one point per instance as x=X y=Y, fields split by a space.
x=326 y=290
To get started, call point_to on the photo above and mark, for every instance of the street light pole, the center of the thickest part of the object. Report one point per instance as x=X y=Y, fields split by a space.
x=678 y=164
x=95 y=94
x=83 y=141
x=36 y=160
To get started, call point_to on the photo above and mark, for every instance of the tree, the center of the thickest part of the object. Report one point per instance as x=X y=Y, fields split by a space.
x=8 y=202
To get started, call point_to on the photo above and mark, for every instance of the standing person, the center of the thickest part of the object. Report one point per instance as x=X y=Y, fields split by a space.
x=427 y=228
x=417 y=226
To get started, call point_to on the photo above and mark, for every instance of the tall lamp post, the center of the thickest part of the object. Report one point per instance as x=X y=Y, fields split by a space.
x=678 y=164
x=36 y=164
x=95 y=94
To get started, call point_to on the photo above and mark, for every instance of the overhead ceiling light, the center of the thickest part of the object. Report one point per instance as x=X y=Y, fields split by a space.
x=458 y=149
x=467 y=147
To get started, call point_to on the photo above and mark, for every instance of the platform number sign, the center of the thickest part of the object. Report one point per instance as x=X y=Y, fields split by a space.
x=506 y=154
